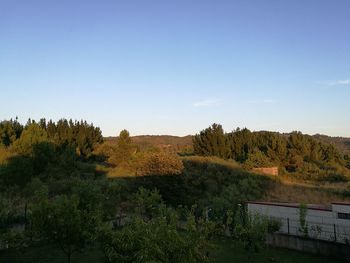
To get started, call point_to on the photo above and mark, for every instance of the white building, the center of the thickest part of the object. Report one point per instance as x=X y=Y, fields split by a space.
x=327 y=223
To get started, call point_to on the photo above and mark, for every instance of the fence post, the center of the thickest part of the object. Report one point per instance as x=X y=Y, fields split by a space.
x=335 y=233
x=288 y=225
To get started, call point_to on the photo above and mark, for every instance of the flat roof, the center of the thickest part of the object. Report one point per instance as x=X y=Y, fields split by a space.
x=293 y=205
x=340 y=203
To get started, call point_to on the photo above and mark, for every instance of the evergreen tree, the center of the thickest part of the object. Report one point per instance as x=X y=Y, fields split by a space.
x=10 y=131
x=31 y=135
x=211 y=142
x=123 y=152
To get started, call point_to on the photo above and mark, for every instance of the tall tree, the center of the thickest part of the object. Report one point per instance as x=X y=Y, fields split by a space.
x=67 y=222
x=10 y=131
x=123 y=152
x=31 y=135
x=211 y=142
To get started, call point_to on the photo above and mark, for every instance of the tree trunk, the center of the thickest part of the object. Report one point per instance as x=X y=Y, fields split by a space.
x=69 y=256
x=25 y=215
x=31 y=230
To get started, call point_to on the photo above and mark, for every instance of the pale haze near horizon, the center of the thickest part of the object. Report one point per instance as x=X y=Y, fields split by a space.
x=175 y=67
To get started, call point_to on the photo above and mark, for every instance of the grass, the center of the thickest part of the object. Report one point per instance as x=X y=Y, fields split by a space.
x=49 y=254
x=296 y=193
x=225 y=252
x=281 y=188
x=228 y=252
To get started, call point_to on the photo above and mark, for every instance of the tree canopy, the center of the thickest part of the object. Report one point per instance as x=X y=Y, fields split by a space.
x=294 y=152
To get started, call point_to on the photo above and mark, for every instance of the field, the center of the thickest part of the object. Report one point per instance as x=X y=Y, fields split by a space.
x=281 y=188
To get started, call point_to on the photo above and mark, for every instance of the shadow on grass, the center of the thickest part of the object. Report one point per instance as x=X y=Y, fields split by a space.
x=202 y=178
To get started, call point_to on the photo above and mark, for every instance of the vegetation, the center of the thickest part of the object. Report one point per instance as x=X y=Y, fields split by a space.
x=225 y=251
x=228 y=251
x=294 y=153
x=66 y=221
x=304 y=228
x=159 y=163
x=63 y=187
x=159 y=239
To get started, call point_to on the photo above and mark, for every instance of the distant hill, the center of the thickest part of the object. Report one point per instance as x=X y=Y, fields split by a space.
x=342 y=143
x=178 y=143
x=168 y=142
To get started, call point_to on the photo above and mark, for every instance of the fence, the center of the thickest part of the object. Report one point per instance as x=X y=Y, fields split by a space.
x=316 y=230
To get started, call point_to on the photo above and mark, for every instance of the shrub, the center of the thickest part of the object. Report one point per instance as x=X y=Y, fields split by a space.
x=273 y=225
x=160 y=163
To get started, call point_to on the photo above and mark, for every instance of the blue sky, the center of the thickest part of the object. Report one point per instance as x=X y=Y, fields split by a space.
x=175 y=67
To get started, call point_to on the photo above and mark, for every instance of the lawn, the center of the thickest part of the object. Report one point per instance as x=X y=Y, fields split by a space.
x=225 y=252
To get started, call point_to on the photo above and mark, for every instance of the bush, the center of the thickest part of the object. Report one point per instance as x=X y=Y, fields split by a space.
x=273 y=225
x=161 y=239
x=160 y=163
x=250 y=231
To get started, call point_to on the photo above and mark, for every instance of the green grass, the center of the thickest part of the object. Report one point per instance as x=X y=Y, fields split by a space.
x=228 y=252
x=49 y=254
x=225 y=252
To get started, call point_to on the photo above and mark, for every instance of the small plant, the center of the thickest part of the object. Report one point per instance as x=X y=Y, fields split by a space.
x=273 y=225
x=250 y=230
x=304 y=228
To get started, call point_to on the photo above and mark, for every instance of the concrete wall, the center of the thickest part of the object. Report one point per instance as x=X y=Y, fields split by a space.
x=322 y=223
x=321 y=247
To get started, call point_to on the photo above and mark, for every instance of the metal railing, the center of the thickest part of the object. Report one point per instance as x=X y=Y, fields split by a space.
x=316 y=230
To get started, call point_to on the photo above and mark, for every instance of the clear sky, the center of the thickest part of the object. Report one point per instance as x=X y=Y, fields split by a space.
x=175 y=67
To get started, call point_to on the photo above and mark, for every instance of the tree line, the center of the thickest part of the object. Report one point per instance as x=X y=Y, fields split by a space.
x=44 y=149
x=293 y=153
x=79 y=135
x=49 y=183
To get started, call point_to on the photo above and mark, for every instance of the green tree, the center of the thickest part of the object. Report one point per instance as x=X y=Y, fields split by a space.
x=241 y=143
x=67 y=222
x=211 y=142
x=159 y=163
x=31 y=135
x=123 y=152
x=10 y=131
x=304 y=227
x=250 y=230
x=43 y=154
x=158 y=240
x=147 y=202
x=257 y=159
x=5 y=154
x=18 y=170
x=8 y=238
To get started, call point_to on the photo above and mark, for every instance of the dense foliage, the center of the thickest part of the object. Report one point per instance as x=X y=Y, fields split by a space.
x=159 y=163
x=78 y=135
x=55 y=190
x=44 y=149
x=68 y=221
x=160 y=235
x=293 y=153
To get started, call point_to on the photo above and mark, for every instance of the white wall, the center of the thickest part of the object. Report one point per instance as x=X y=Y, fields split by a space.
x=321 y=223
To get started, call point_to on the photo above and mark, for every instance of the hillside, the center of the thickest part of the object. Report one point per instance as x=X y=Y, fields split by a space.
x=170 y=141
x=342 y=143
x=165 y=142
x=207 y=178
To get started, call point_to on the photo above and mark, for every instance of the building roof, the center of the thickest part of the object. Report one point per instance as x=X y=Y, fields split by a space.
x=340 y=203
x=293 y=205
